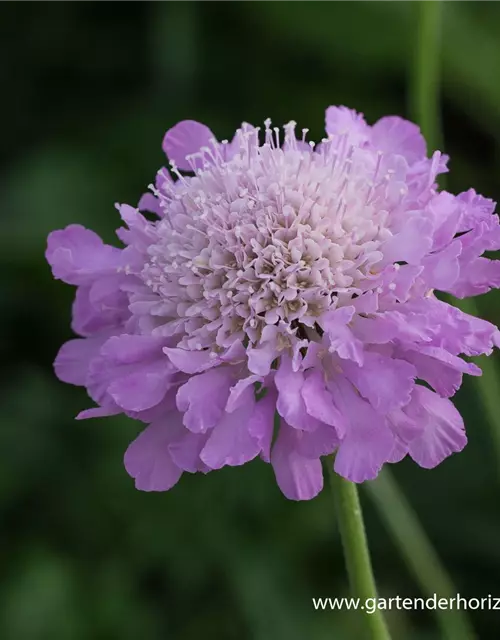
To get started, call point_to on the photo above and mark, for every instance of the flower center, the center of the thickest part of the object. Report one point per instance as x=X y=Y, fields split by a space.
x=271 y=236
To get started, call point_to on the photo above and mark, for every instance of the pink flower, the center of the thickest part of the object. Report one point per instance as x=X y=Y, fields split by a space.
x=285 y=279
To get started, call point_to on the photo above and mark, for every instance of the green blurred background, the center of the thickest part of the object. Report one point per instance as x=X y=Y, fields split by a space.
x=89 y=89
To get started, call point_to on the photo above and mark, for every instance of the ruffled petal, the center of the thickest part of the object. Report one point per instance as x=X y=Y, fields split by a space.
x=444 y=356
x=78 y=256
x=86 y=319
x=148 y=460
x=368 y=442
x=290 y=404
x=132 y=349
x=72 y=362
x=101 y=305
x=261 y=423
x=475 y=209
x=445 y=211
x=230 y=442
x=323 y=441
x=341 y=121
x=385 y=382
x=149 y=202
x=261 y=357
x=184 y=139
x=411 y=243
x=99 y=412
x=404 y=427
x=319 y=402
x=141 y=389
x=185 y=452
x=442 y=378
x=442 y=269
x=395 y=135
x=238 y=393
x=190 y=361
x=443 y=432
x=341 y=339
x=298 y=477
x=398 y=452
x=230 y=149
x=477 y=276
x=203 y=397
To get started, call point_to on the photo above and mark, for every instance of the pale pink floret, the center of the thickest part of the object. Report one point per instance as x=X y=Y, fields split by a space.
x=283 y=278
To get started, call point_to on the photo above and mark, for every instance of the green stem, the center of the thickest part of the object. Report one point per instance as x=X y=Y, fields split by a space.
x=421 y=558
x=356 y=554
x=424 y=92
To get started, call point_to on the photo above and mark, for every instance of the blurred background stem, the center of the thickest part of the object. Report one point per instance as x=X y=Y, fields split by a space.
x=424 y=89
x=356 y=553
x=418 y=552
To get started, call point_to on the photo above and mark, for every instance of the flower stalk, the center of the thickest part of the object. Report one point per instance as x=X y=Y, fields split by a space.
x=356 y=553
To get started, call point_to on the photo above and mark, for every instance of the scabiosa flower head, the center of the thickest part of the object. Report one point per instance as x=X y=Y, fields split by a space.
x=281 y=304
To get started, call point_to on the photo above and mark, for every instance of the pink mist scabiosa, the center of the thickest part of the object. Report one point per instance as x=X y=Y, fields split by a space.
x=281 y=304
